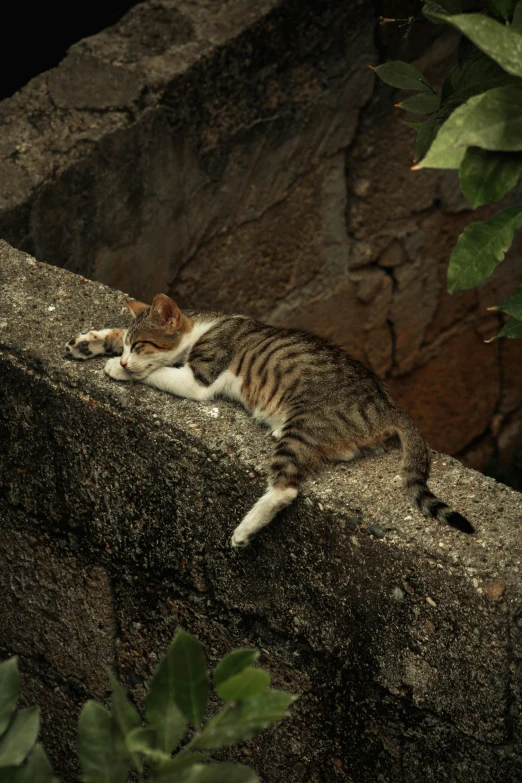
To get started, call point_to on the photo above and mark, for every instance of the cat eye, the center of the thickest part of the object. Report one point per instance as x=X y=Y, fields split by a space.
x=144 y=342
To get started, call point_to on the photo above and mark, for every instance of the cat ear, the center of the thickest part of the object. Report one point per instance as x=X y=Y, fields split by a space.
x=166 y=312
x=136 y=307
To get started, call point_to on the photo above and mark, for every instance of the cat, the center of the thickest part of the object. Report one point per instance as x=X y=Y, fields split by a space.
x=319 y=401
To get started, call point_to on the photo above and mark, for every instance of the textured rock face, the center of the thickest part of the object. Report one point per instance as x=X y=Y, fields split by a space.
x=239 y=156
x=402 y=638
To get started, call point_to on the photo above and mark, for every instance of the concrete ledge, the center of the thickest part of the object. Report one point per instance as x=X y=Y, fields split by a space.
x=117 y=504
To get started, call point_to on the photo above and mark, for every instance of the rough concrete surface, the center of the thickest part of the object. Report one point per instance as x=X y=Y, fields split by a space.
x=241 y=155
x=402 y=638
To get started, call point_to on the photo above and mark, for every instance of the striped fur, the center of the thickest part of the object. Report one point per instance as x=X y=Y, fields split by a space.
x=319 y=402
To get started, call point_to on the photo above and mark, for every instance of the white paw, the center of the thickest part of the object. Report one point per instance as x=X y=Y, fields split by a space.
x=277 y=434
x=114 y=370
x=240 y=538
x=85 y=346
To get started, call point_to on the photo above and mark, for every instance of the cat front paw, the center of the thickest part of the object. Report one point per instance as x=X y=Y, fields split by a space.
x=86 y=346
x=115 y=371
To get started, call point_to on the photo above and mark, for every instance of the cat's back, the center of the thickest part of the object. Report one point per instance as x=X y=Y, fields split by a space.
x=268 y=357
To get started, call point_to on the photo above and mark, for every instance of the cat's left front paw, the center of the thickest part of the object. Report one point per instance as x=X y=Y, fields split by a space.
x=87 y=345
x=114 y=370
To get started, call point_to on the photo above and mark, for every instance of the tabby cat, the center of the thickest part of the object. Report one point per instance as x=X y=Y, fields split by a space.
x=319 y=402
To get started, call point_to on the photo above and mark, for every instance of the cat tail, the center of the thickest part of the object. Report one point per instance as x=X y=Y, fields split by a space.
x=415 y=470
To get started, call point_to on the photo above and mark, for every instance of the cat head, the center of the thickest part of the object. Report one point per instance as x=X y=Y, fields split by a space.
x=154 y=338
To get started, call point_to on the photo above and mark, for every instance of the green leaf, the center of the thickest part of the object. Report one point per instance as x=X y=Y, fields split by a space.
x=20 y=737
x=35 y=770
x=167 y=720
x=479 y=70
x=478 y=74
x=463 y=94
x=248 y=683
x=233 y=663
x=8 y=774
x=161 y=710
x=247 y=718
x=179 y=763
x=480 y=248
x=516 y=24
x=501 y=9
x=183 y=674
x=125 y=718
x=513 y=330
x=435 y=9
x=141 y=740
x=402 y=75
x=486 y=176
x=450 y=82
x=9 y=691
x=225 y=772
x=425 y=136
x=491 y=121
x=100 y=761
x=503 y=44
x=415 y=125
x=513 y=304
x=423 y=103
x=125 y=715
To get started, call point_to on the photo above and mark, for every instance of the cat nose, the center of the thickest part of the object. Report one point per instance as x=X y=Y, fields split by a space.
x=123 y=362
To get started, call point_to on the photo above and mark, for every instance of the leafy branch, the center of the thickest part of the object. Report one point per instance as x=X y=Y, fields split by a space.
x=474 y=125
x=113 y=742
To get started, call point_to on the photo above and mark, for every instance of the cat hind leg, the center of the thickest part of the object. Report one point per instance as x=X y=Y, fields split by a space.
x=262 y=513
x=105 y=342
x=363 y=452
x=293 y=459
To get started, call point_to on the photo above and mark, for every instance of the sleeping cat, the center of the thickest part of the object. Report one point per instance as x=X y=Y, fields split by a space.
x=319 y=402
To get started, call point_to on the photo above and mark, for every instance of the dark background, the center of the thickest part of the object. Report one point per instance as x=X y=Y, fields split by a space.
x=36 y=36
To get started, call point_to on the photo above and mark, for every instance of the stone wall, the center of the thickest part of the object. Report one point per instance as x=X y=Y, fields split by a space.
x=402 y=638
x=239 y=155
